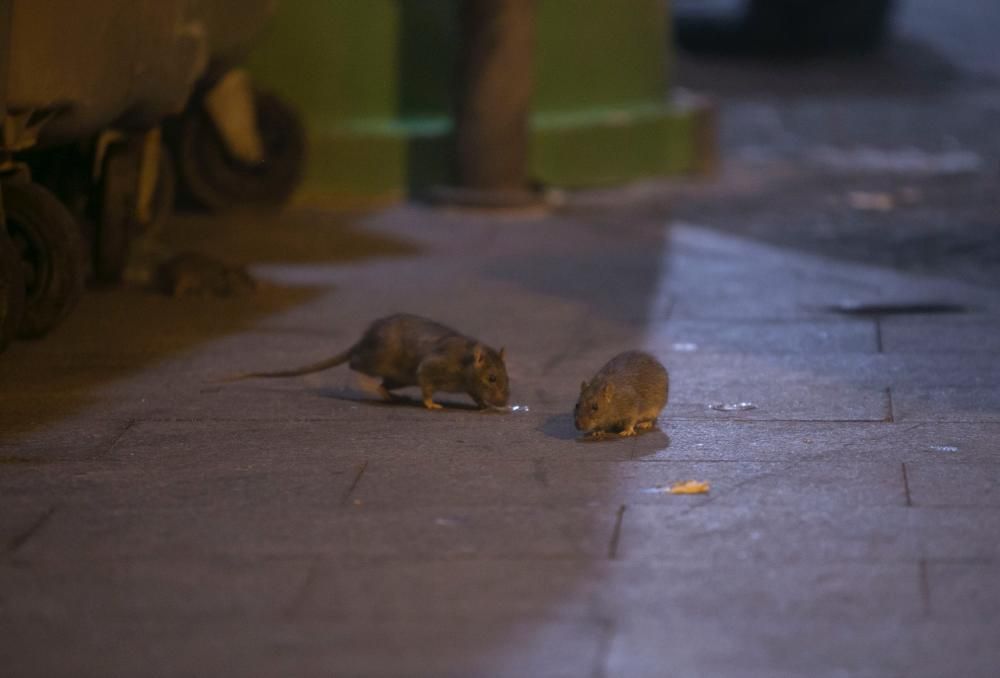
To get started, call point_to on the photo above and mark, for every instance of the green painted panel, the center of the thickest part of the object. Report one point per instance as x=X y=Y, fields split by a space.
x=373 y=80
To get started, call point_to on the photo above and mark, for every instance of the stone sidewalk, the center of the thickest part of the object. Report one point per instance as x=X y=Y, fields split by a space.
x=155 y=522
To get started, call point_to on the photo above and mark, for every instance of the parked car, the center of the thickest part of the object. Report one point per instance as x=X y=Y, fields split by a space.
x=783 y=25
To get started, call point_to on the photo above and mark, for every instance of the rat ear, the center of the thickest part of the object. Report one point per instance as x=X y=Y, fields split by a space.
x=607 y=391
x=502 y=349
x=477 y=355
x=583 y=386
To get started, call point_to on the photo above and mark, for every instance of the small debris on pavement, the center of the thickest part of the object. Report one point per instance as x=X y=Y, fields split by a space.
x=447 y=522
x=682 y=487
x=943 y=448
x=732 y=407
x=871 y=202
x=685 y=346
x=690 y=487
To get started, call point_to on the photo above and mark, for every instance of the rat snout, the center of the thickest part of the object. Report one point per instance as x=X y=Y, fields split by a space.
x=499 y=399
x=498 y=394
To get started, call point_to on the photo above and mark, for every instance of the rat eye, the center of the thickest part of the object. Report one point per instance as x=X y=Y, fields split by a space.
x=493 y=378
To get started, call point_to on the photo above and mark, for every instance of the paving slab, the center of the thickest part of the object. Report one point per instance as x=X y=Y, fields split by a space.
x=235 y=646
x=726 y=532
x=963 y=592
x=933 y=484
x=733 y=440
x=978 y=332
x=73 y=438
x=124 y=589
x=771 y=645
x=786 y=337
x=310 y=521
x=954 y=404
x=551 y=482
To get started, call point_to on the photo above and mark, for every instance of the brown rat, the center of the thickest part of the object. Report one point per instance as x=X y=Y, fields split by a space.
x=408 y=350
x=627 y=393
x=191 y=273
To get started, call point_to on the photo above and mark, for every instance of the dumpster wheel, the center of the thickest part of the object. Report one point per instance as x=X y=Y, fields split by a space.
x=216 y=180
x=48 y=241
x=11 y=289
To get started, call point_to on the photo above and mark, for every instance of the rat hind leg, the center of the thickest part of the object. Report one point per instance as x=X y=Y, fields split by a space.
x=427 y=392
x=646 y=424
x=385 y=388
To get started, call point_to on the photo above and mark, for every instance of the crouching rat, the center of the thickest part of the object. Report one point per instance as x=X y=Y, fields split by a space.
x=627 y=393
x=408 y=350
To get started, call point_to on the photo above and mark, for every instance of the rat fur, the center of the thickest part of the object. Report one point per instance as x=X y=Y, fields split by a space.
x=408 y=350
x=628 y=393
x=191 y=273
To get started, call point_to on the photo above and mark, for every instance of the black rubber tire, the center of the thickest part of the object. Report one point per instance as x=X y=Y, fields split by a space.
x=48 y=240
x=11 y=289
x=214 y=180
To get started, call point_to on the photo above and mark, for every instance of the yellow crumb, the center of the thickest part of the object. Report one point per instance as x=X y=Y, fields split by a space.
x=689 y=487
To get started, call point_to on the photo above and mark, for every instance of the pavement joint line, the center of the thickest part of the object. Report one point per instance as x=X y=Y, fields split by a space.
x=354 y=483
x=603 y=653
x=890 y=415
x=758 y=420
x=18 y=540
x=925 y=587
x=906 y=485
x=963 y=560
x=825 y=456
x=129 y=425
x=298 y=599
x=766 y=462
x=540 y=473
x=616 y=533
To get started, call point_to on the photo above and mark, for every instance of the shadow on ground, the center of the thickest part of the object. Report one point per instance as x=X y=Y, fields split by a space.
x=115 y=333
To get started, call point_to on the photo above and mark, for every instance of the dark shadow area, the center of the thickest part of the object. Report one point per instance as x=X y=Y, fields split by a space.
x=904 y=67
x=613 y=263
x=119 y=332
x=817 y=128
x=447 y=401
x=560 y=426
x=783 y=28
x=651 y=442
x=952 y=231
x=594 y=279
x=878 y=310
x=299 y=235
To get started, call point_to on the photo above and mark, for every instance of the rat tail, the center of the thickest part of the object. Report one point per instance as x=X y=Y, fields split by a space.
x=296 y=371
